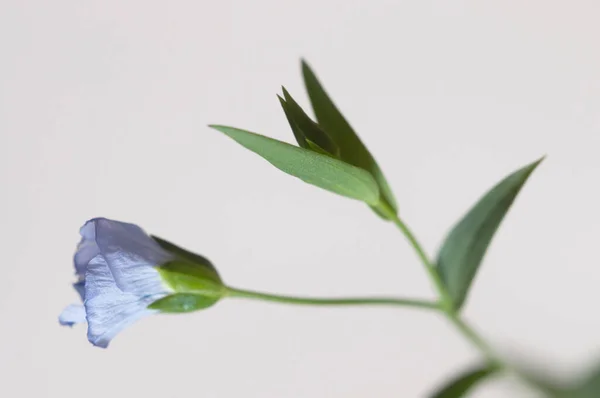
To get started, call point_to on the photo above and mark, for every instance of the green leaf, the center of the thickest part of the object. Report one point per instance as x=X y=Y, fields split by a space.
x=461 y=385
x=298 y=134
x=304 y=128
x=465 y=246
x=549 y=386
x=588 y=387
x=314 y=147
x=183 y=302
x=311 y=167
x=351 y=148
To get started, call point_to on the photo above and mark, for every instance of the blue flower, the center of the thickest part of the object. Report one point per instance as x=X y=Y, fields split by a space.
x=116 y=265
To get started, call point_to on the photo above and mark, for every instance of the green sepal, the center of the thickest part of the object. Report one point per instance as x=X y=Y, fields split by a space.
x=196 y=287
x=186 y=277
x=183 y=302
x=184 y=254
x=193 y=279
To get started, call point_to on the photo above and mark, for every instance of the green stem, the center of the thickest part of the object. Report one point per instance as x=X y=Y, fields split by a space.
x=346 y=301
x=446 y=301
x=476 y=340
x=447 y=308
x=446 y=305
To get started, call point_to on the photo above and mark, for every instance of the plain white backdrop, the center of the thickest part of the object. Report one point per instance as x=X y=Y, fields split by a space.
x=103 y=112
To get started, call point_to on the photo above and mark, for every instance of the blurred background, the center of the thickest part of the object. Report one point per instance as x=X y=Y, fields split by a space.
x=103 y=112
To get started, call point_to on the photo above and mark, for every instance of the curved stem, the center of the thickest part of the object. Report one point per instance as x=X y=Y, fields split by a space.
x=446 y=305
x=447 y=308
x=433 y=274
x=346 y=301
x=476 y=339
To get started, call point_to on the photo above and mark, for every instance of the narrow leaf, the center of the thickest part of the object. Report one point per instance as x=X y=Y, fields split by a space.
x=589 y=386
x=311 y=167
x=298 y=134
x=539 y=377
x=351 y=148
x=310 y=130
x=466 y=244
x=461 y=385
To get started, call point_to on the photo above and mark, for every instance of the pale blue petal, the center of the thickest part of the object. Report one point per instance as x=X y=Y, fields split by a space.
x=112 y=236
x=86 y=249
x=116 y=264
x=109 y=310
x=132 y=275
x=74 y=313
x=131 y=255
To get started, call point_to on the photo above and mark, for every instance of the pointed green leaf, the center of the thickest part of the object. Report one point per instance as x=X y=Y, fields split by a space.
x=466 y=244
x=304 y=126
x=183 y=302
x=298 y=134
x=314 y=147
x=461 y=385
x=314 y=168
x=351 y=148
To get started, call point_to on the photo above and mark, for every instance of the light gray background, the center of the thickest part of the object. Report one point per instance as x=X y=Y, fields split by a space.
x=103 y=112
